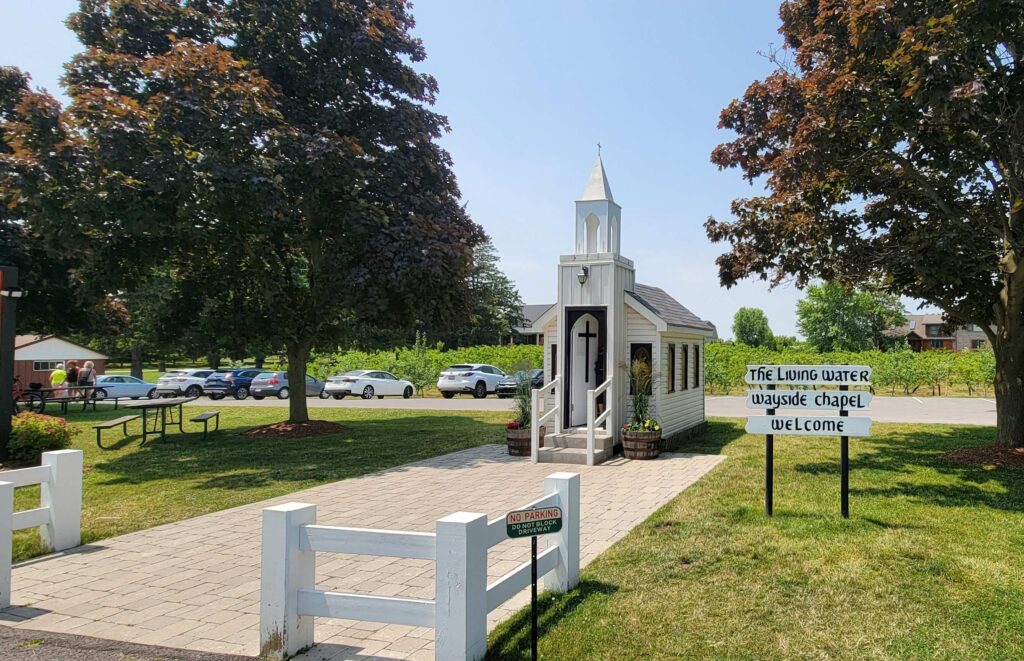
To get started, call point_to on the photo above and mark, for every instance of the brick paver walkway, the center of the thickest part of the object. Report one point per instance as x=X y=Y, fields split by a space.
x=195 y=584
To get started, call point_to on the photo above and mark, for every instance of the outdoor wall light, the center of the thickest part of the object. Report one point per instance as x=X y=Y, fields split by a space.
x=582 y=275
x=14 y=292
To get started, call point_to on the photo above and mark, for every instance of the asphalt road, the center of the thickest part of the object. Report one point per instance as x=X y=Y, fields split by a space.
x=951 y=410
x=28 y=645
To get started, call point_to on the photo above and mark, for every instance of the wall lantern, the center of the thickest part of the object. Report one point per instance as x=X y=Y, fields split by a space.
x=582 y=275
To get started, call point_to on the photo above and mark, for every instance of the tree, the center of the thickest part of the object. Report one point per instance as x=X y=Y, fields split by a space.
x=889 y=141
x=280 y=154
x=834 y=319
x=497 y=306
x=750 y=326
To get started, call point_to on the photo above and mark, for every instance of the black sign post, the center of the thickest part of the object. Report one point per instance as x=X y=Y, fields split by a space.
x=8 y=320
x=844 y=461
x=769 y=466
x=531 y=523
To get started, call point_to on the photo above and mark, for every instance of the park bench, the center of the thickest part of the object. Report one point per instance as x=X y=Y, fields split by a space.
x=204 y=418
x=110 y=424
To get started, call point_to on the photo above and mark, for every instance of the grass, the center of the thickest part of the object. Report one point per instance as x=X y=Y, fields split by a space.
x=928 y=567
x=130 y=487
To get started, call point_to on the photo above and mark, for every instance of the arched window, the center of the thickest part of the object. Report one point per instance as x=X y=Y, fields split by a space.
x=593 y=227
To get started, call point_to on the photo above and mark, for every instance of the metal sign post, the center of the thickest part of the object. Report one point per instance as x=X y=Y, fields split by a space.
x=842 y=400
x=531 y=523
x=9 y=295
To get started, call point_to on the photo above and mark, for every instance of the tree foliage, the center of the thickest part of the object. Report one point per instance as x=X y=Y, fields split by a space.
x=889 y=140
x=750 y=326
x=280 y=157
x=833 y=318
x=497 y=307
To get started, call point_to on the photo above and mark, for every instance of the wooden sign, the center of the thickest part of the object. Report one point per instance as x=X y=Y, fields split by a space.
x=809 y=375
x=531 y=522
x=799 y=425
x=832 y=400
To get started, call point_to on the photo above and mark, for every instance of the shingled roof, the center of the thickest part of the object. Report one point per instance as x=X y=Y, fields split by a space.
x=672 y=311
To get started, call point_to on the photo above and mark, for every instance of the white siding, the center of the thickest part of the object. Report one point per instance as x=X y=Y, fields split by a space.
x=550 y=338
x=683 y=408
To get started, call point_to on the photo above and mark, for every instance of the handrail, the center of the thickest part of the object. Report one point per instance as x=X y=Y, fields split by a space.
x=592 y=419
x=536 y=419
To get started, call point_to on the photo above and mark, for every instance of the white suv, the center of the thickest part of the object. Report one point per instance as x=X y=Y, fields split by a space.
x=182 y=382
x=475 y=379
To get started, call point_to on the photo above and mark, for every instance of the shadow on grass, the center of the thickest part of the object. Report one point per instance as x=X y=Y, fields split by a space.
x=512 y=638
x=720 y=433
x=230 y=460
x=914 y=457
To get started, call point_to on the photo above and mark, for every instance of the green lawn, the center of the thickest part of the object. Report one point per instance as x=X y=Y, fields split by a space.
x=131 y=487
x=930 y=566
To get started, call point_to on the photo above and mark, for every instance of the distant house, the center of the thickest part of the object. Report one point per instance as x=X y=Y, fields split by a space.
x=525 y=334
x=35 y=356
x=925 y=332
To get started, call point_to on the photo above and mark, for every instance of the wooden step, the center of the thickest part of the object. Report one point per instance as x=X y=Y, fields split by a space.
x=578 y=440
x=578 y=456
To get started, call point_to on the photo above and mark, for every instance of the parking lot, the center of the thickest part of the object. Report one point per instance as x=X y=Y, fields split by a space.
x=460 y=403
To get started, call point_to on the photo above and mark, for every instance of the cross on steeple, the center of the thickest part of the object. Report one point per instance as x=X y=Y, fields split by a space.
x=599 y=149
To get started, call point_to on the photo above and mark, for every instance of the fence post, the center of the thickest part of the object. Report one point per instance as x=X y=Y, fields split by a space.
x=62 y=493
x=284 y=570
x=566 y=574
x=460 y=611
x=6 y=541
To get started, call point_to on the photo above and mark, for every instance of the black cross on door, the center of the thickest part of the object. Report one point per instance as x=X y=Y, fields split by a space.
x=586 y=335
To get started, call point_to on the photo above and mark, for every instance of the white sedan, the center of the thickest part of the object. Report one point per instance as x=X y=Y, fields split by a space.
x=368 y=384
x=110 y=385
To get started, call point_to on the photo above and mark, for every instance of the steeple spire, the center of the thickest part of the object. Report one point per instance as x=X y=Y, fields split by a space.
x=597 y=187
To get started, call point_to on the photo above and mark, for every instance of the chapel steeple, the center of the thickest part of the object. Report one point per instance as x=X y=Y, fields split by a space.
x=597 y=215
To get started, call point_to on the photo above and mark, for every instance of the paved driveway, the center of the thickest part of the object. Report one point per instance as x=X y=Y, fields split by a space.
x=951 y=410
x=195 y=584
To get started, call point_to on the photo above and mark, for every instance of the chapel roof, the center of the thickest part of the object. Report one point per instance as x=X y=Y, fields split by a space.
x=674 y=313
x=597 y=187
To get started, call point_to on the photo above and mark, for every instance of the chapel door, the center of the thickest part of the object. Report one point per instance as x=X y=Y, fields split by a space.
x=585 y=368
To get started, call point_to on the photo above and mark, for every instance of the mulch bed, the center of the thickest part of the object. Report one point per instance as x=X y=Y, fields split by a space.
x=988 y=455
x=297 y=429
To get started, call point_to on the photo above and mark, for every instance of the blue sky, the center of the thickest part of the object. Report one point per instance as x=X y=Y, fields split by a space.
x=530 y=87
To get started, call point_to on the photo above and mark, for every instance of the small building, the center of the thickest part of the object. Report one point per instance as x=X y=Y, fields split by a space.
x=926 y=332
x=35 y=356
x=602 y=322
x=524 y=333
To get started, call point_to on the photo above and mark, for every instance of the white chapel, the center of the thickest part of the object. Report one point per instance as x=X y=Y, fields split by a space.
x=603 y=321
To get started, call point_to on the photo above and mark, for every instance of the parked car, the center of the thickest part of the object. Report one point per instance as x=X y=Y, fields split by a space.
x=114 y=385
x=368 y=384
x=231 y=382
x=275 y=384
x=474 y=378
x=507 y=387
x=188 y=382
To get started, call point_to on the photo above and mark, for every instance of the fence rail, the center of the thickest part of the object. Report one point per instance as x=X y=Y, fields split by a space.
x=58 y=517
x=289 y=599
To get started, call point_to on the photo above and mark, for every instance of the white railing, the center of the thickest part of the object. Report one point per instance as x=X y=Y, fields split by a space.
x=537 y=418
x=58 y=517
x=289 y=599
x=594 y=420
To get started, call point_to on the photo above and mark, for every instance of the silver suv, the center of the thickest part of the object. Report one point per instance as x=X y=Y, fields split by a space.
x=470 y=378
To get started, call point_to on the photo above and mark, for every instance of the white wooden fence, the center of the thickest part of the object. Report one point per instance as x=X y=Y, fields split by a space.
x=58 y=517
x=289 y=599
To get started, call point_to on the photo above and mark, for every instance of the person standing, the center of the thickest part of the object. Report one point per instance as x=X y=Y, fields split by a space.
x=72 y=380
x=87 y=375
x=58 y=380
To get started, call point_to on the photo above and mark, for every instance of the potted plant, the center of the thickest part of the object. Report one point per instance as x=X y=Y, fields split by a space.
x=641 y=436
x=517 y=432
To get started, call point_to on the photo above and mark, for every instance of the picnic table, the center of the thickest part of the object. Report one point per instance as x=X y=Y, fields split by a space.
x=163 y=414
x=82 y=394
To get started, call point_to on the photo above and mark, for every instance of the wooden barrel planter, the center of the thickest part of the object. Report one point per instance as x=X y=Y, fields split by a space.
x=641 y=444
x=518 y=441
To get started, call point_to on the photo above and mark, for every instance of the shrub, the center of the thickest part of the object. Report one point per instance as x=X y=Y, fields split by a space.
x=33 y=434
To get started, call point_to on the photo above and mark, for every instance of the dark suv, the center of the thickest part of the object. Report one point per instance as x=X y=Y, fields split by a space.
x=234 y=382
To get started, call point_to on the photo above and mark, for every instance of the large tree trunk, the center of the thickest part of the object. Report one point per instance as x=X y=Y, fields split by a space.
x=1009 y=387
x=298 y=354
x=136 y=360
x=258 y=363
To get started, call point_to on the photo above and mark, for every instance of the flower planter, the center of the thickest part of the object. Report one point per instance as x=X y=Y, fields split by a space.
x=518 y=441
x=641 y=444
